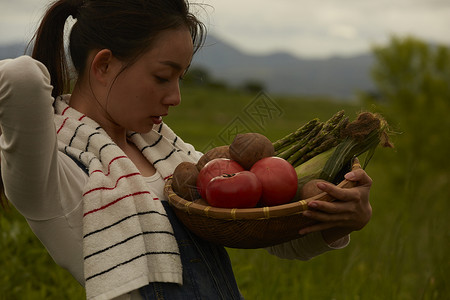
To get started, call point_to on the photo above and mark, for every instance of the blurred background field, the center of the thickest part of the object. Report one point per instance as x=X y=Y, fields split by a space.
x=403 y=253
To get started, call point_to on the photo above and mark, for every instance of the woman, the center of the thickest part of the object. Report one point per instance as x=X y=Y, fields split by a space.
x=87 y=170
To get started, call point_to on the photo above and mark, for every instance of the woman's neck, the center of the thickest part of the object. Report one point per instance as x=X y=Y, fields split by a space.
x=88 y=104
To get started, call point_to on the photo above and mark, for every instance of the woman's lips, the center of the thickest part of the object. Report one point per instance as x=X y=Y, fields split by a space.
x=157 y=120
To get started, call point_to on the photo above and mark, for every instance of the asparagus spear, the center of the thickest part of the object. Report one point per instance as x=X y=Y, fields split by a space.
x=291 y=138
x=302 y=142
x=326 y=145
x=330 y=141
x=327 y=132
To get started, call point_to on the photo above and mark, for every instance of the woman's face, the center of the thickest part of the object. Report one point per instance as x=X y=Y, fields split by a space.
x=144 y=91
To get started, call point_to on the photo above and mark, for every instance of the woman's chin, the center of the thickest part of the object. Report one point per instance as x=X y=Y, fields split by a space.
x=156 y=120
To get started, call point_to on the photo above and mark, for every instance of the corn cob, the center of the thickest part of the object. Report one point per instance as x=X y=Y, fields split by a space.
x=322 y=150
x=312 y=168
x=360 y=136
x=363 y=135
x=324 y=146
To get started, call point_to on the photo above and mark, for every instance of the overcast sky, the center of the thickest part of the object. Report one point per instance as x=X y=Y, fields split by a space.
x=308 y=28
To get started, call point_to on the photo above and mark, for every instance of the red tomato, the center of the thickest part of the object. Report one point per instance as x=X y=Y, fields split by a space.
x=213 y=168
x=240 y=190
x=278 y=179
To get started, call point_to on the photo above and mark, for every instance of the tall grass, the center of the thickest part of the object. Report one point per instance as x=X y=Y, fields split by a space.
x=401 y=254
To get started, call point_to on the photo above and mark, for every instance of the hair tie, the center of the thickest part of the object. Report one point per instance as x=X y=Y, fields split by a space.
x=74 y=7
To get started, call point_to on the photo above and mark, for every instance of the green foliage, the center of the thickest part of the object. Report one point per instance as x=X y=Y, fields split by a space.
x=253 y=86
x=414 y=80
x=26 y=269
x=414 y=83
x=200 y=77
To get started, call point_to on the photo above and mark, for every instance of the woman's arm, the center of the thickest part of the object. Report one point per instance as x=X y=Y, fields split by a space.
x=31 y=166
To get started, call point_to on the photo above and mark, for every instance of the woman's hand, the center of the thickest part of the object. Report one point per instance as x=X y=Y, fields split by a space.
x=350 y=212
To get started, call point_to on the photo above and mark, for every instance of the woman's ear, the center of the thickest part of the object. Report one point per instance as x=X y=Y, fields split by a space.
x=102 y=66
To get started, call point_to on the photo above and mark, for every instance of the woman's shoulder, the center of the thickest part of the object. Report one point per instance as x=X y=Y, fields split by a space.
x=23 y=61
x=23 y=69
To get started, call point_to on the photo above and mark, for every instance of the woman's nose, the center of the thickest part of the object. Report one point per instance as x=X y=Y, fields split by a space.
x=173 y=97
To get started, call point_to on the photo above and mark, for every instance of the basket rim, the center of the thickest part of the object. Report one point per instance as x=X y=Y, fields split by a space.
x=266 y=212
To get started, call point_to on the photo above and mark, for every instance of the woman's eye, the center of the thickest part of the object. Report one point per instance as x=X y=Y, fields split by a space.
x=161 y=79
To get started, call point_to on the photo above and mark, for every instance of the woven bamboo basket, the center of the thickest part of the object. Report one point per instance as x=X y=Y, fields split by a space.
x=246 y=228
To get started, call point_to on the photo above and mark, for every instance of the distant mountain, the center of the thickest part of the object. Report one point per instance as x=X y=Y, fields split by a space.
x=280 y=73
x=12 y=51
x=283 y=73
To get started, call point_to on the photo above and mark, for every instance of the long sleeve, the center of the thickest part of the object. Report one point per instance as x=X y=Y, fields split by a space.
x=32 y=170
x=307 y=247
x=43 y=184
x=28 y=141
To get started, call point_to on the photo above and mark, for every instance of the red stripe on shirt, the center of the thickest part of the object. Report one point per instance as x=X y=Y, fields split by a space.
x=109 y=165
x=115 y=201
x=112 y=188
x=62 y=125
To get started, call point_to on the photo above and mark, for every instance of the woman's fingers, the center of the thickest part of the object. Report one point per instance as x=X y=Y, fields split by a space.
x=329 y=207
x=351 y=209
x=348 y=194
x=360 y=176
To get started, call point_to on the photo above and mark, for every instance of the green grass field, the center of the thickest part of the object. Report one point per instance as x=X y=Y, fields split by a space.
x=401 y=254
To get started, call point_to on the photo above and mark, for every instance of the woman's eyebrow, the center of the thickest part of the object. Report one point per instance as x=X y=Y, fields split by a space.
x=172 y=64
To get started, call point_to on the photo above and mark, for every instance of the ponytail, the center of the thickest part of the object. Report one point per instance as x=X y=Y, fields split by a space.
x=126 y=27
x=49 y=43
x=3 y=200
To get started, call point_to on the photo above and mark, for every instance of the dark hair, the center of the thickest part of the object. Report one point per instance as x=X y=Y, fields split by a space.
x=126 y=27
x=4 y=203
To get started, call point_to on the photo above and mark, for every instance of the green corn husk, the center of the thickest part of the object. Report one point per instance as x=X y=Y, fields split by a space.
x=360 y=136
x=344 y=153
x=312 y=168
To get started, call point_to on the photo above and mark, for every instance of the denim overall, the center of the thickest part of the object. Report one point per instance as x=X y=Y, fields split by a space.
x=207 y=272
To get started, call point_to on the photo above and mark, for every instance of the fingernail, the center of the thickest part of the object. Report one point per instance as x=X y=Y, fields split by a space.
x=312 y=204
x=350 y=176
x=321 y=185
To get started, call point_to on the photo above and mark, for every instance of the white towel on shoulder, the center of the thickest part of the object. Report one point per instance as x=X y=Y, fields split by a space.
x=128 y=240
